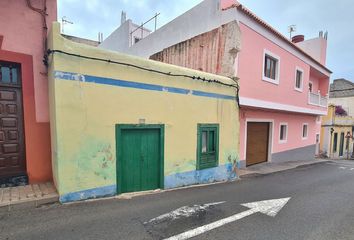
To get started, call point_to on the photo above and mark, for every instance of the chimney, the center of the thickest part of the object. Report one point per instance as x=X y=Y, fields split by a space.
x=298 y=38
x=123 y=17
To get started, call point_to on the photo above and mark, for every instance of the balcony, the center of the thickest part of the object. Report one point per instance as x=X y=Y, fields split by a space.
x=317 y=100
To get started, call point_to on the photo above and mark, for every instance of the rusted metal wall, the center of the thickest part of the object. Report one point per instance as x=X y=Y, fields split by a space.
x=213 y=52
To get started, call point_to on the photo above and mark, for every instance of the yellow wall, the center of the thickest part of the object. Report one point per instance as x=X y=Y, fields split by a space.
x=84 y=114
x=339 y=125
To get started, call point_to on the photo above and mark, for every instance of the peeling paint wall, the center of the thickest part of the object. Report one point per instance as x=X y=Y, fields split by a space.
x=213 y=52
x=88 y=98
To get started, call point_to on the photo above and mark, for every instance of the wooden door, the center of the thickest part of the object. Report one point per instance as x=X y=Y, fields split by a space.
x=12 y=146
x=257 y=143
x=139 y=159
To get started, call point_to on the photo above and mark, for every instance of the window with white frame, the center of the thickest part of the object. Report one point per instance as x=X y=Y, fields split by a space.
x=299 y=79
x=305 y=131
x=271 y=66
x=283 y=132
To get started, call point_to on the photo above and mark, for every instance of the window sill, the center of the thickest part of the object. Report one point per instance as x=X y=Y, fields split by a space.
x=304 y=138
x=270 y=80
x=299 y=89
x=283 y=141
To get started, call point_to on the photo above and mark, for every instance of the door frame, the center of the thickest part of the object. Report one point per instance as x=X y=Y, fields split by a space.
x=119 y=129
x=270 y=137
x=21 y=118
x=341 y=144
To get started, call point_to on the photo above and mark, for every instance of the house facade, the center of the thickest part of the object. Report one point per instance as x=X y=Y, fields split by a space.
x=25 y=154
x=336 y=134
x=283 y=84
x=121 y=123
x=337 y=126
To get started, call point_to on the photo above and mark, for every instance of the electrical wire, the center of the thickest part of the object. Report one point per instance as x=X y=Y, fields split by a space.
x=236 y=86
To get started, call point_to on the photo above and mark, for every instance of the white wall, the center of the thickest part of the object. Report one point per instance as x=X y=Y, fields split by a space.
x=119 y=39
x=204 y=17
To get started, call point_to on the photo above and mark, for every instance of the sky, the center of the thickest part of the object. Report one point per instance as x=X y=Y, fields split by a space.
x=309 y=16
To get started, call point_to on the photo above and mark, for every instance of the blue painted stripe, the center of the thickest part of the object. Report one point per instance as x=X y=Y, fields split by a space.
x=137 y=85
x=106 y=191
x=217 y=174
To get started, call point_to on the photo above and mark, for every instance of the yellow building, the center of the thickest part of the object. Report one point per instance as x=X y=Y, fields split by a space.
x=121 y=123
x=336 y=135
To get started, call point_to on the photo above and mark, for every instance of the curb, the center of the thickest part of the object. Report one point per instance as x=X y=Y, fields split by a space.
x=25 y=204
x=259 y=174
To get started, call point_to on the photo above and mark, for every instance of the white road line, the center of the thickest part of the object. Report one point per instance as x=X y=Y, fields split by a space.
x=185 y=211
x=268 y=207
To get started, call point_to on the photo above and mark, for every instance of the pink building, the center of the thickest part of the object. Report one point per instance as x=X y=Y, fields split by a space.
x=25 y=153
x=284 y=84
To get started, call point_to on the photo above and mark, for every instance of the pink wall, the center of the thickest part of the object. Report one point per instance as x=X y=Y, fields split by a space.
x=227 y=3
x=250 y=71
x=22 y=30
x=294 y=121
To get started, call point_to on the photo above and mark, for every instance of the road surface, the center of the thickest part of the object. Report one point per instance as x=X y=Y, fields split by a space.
x=319 y=204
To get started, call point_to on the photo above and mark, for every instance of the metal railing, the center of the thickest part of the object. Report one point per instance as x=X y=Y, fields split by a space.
x=318 y=100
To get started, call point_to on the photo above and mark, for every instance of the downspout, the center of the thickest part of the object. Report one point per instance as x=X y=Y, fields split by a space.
x=43 y=13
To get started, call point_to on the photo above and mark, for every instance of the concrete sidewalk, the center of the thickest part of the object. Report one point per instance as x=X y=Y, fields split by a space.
x=269 y=167
x=27 y=196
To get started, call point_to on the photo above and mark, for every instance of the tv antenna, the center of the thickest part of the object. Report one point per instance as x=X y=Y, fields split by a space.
x=63 y=22
x=291 y=29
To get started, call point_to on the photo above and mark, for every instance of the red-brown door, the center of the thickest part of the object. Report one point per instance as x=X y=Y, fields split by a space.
x=12 y=147
x=257 y=142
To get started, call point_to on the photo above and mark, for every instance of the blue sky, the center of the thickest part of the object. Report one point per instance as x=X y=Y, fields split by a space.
x=310 y=16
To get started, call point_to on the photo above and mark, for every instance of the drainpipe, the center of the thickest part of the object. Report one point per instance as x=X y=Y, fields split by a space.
x=43 y=13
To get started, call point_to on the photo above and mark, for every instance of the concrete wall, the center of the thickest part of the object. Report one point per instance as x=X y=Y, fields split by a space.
x=22 y=31
x=88 y=98
x=184 y=27
x=316 y=47
x=122 y=39
x=119 y=39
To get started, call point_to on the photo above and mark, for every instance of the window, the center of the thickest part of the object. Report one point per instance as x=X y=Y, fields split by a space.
x=208 y=146
x=335 y=140
x=136 y=40
x=298 y=79
x=9 y=73
x=283 y=132
x=271 y=67
x=304 y=131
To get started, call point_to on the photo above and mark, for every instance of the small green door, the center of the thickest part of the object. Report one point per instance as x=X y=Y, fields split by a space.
x=139 y=157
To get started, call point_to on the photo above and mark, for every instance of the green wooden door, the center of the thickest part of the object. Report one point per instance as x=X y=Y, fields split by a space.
x=139 y=159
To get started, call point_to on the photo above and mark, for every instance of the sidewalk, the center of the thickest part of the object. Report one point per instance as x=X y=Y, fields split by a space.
x=27 y=196
x=269 y=167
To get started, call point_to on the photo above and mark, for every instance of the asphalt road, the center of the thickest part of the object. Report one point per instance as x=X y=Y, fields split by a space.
x=321 y=207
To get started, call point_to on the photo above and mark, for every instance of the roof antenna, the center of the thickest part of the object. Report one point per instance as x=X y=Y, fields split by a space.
x=63 y=22
x=291 y=29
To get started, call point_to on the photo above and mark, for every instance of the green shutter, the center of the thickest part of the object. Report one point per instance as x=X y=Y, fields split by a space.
x=207 y=146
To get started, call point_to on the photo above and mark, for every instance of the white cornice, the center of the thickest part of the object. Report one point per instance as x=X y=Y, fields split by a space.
x=251 y=102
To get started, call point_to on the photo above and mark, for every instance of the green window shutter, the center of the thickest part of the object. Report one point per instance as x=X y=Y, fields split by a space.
x=207 y=146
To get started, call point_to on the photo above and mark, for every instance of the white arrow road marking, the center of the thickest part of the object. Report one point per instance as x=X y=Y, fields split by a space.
x=268 y=207
x=185 y=211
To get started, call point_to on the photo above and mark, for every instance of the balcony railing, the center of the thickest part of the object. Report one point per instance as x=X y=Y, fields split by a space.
x=318 y=100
